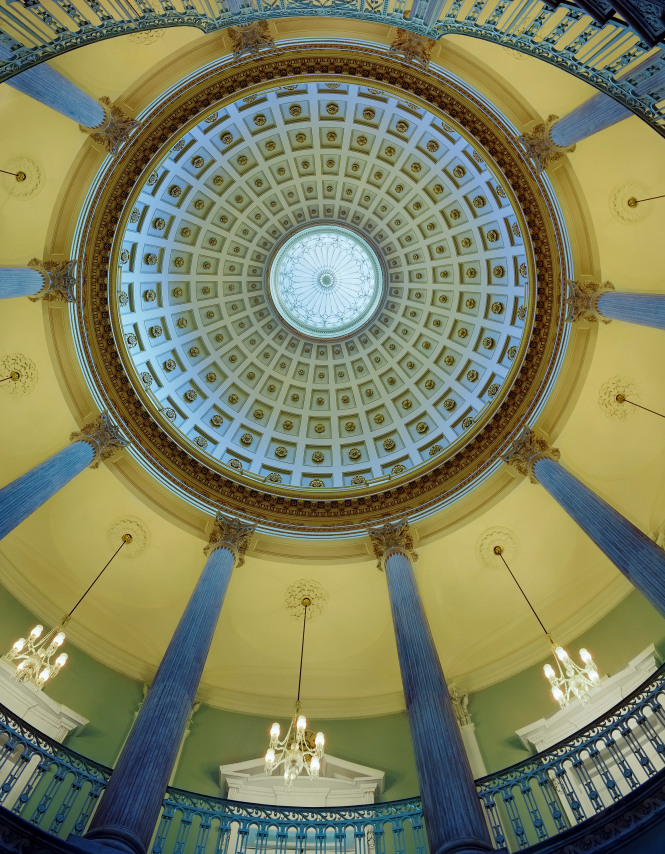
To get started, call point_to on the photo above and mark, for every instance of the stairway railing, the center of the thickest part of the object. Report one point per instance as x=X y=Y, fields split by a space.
x=600 y=54
x=56 y=789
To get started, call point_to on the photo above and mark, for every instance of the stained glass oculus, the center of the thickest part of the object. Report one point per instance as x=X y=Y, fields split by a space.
x=326 y=281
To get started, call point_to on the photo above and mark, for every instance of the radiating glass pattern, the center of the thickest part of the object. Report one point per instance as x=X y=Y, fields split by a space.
x=326 y=281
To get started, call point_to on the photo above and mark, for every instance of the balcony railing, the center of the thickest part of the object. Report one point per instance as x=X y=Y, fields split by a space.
x=600 y=54
x=56 y=789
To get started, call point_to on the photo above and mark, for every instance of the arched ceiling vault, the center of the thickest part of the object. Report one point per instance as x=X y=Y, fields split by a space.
x=483 y=632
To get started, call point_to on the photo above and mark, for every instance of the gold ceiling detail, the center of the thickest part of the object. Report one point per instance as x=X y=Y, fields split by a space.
x=443 y=473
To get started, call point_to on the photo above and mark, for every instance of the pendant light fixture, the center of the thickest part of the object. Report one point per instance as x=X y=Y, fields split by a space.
x=32 y=655
x=569 y=680
x=300 y=750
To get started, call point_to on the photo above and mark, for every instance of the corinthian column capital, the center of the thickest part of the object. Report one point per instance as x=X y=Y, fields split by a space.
x=232 y=534
x=525 y=452
x=116 y=128
x=104 y=437
x=582 y=300
x=539 y=144
x=59 y=280
x=390 y=538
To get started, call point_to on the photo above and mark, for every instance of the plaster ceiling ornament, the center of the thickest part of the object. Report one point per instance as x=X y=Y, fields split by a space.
x=59 y=280
x=492 y=537
x=33 y=182
x=22 y=375
x=115 y=130
x=390 y=538
x=146 y=37
x=540 y=147
x=413 y=47
x=306 y=588
x=326 y=281
x=619 y=202
x=525 y=450
x=139 y=532
x=607 y=397
x=582 y=300
x=213 y=315
x=104 y=437
x=231 y=533
x=250 y=38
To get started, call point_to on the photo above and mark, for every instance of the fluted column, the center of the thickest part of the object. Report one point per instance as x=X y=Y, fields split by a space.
x=550 y=140
x=106 y=123
x=51 y=88
x=600 y=302
x=129 y=808
x=630 y=550
x=47 y=280
x=452 y=811
x=99 y=440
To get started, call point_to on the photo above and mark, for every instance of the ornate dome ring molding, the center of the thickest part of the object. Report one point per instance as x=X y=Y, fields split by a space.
x=443 y=471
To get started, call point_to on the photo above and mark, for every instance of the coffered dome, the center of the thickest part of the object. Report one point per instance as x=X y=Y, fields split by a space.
x=326 y=285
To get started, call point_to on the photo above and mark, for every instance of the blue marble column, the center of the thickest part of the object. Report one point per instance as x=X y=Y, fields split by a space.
x=47 y=85
x=630 y=550
x=97 y=441
x=601 y=111
x=130 y=806
x=593 y=301
x=453 y=816
x=20 y=282
x=644 y=309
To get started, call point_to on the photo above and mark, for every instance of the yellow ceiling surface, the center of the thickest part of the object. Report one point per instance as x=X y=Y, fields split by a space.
x=482 y=629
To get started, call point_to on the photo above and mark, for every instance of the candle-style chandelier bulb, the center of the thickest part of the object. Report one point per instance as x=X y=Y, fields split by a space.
x=32 y=655
x=569 y=680
x=300 y=750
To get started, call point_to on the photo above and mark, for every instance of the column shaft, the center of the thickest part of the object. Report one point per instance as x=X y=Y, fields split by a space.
x=645 y=309
x=20 y=282
x=47 y=85
x=594 y=115
x=629 y=549
x=129 y=809
x=452 y=811
x=28 y=492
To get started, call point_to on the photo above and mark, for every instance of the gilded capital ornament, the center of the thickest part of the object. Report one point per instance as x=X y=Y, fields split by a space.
x=230 y=533
x=582 y=301
x=540 y=147
x=250 y=38
x=390 y=538
x=104 y=437
x=59 y=280
x=525 y=452
x=413 y=47
x=116 y=128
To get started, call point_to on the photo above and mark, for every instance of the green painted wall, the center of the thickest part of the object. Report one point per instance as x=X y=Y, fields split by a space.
x=503 y=708
x=107 y=699
x=217 y=737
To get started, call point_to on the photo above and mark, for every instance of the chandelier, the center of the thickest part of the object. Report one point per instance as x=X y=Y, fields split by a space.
x=569 y=680
x=300 y=749
x=32 y=655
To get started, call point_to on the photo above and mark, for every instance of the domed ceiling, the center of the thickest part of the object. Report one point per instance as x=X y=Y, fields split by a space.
x=420 y=373
x=481 y=628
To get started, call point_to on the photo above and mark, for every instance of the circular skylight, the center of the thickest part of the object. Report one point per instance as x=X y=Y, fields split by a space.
x=325 y=281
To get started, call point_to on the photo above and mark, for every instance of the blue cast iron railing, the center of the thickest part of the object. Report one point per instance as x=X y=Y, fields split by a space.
x=600 y=54
x=56 y=789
